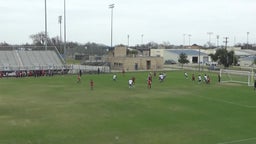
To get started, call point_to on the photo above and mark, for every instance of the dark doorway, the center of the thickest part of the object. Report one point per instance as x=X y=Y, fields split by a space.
x=136 y=66
x=194 y=59
x=148 y=65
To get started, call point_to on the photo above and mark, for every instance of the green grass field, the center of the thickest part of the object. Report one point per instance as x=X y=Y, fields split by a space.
x=58 y=110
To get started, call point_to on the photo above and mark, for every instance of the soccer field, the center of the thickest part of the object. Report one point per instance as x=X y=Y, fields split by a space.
x=58 y=110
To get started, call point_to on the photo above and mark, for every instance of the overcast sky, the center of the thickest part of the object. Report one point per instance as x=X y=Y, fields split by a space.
x=157 y=20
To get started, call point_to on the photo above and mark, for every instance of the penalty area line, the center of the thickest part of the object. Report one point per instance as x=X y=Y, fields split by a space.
x=228 y=102
x=238 y=141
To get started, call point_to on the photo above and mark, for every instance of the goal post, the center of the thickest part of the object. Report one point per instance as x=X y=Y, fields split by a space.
x=236 y=76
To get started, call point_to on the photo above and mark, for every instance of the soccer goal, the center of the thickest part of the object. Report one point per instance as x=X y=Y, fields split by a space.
x=235 y=76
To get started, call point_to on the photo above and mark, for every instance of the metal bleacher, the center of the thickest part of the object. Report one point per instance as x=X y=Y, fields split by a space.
x=7 y=60
x=29 y=60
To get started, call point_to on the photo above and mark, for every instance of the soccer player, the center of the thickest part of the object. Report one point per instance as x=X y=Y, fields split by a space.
x=91 y=84
x=205 y=78
x=150 y=77
x=208 y=79
x=193 y=77
x=149 y=83
x=78 y=78
x=80 y=73
x=161 y=77
x=186 y=75
x=199 y=78
x=219 y=78
x=130 y=82
x=114 y=77
x=123 y=72
x=133 y=80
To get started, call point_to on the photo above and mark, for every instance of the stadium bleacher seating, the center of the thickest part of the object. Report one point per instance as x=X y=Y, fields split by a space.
x=29 y=60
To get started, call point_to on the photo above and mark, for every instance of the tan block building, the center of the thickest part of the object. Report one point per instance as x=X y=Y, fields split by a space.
x=119 y=61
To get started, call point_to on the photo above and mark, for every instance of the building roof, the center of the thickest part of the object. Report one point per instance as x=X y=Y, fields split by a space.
x=186 y=51
x=249 y=58
x=242 y=53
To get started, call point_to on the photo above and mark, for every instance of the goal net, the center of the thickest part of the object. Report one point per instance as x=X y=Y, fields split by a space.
x=235 y=76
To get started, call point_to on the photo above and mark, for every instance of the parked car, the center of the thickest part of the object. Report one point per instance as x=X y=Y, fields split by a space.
x=170 y=62
x=213 y=67
x=211 y=63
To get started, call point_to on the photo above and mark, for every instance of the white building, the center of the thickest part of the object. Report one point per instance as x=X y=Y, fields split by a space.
x=174 y=54
x=246 y=61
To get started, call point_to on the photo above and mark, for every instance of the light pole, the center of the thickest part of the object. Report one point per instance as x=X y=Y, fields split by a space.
x=111 y=6
x=199 y=59
x=142 y=39
x=189 y=38
x=45 y=10
x=184 y=40
x=209 y=33
x=234 y=41
x=60 y=21
x=218 y=37
x=65 y=35
x=128 y=40
x=248 y=40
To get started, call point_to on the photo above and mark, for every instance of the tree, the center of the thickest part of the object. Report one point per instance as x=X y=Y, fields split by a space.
x=183 y=59
x=39 y=39
x=214 y=57
x=4 y=44
x=226 y=58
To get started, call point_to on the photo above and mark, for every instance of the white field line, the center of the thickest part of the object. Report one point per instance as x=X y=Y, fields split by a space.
x=228 y=102
x=237 y=141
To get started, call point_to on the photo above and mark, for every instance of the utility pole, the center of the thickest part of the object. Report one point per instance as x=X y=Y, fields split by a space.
x=218 y=37
x=226 y=45
x=226 y=42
